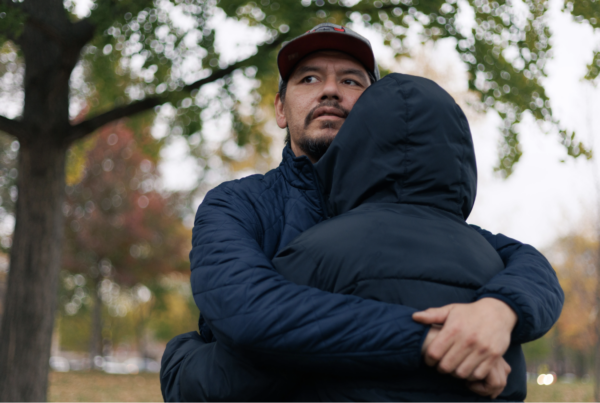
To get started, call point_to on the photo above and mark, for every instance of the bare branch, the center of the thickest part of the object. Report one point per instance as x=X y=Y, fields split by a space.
x=12 y=127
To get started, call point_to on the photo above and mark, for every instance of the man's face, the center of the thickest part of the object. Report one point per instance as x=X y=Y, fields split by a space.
x=320 y=93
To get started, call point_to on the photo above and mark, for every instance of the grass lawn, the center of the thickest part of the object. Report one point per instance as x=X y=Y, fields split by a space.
x=101 y=387
x=560 y=392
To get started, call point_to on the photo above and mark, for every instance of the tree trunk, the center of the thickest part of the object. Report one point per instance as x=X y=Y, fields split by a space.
x=31 y=295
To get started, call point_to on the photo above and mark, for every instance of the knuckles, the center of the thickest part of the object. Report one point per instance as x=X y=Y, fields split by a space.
x=462 y=373
x=445 y=368
x=433 y=354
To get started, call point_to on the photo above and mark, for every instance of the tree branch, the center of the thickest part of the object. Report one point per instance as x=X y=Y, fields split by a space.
x=12 y=127
x=88 y=126
x=215 y=76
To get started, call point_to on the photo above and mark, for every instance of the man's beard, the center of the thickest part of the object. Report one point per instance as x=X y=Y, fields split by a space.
x=316 y=148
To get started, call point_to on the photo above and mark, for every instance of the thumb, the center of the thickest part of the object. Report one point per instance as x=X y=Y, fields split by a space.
x=433 y=315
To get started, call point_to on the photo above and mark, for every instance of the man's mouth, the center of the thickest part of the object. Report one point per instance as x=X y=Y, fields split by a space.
x=328 y=112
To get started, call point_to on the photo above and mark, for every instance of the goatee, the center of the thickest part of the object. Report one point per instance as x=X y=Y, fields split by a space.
x=315 y=148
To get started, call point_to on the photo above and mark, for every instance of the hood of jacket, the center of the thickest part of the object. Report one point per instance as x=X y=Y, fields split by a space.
x=405 y=141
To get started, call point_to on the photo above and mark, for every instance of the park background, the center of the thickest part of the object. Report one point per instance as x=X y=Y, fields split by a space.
x=132 y=186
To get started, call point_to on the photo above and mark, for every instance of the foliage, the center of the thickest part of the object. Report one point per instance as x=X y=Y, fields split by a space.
x=146 y=49
x=11 y=21
x=172 y=311
x=121 y=232
x=587 y=11
x=8 y=188
x=505 y=52
x=118 y=224
x=575 y=260
x=175 y=311
x=537 y=350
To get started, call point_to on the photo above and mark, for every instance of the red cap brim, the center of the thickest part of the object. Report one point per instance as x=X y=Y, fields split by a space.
x=300 y=47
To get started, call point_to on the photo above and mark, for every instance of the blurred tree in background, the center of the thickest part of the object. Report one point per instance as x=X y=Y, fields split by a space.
x=570 y=346
x=575 y=259
x=121 y=231
x=127 y=57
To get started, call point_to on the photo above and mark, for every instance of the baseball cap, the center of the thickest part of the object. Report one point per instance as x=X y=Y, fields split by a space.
x=326 y=36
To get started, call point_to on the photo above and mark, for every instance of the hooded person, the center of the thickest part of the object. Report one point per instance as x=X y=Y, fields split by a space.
x=398 y=182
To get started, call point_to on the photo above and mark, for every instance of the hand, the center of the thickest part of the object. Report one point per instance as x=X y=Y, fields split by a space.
x=494 y=383
x=433 y=332
x=473 y=337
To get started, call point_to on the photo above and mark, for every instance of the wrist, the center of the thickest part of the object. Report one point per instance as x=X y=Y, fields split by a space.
x=501 y=310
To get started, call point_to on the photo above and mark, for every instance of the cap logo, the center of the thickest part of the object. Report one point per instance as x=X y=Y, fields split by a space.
x=326 y=28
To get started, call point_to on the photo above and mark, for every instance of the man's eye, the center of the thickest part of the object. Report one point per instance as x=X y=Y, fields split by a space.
x=350 y=82
x=309 y=79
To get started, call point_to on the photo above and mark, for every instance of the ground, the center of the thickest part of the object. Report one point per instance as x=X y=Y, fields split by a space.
x=560 y=392
x=101 y=387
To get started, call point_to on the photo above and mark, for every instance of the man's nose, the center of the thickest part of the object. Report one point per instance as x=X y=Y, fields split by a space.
x=331 y=89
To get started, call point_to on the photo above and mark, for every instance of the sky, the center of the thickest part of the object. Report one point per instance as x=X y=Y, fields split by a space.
x=545 y=198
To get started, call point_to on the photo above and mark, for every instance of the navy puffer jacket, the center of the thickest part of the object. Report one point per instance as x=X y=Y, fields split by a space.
x=251 y=310
x=398 y=232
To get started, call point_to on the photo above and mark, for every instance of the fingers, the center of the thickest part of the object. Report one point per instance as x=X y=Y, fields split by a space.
x=481 y=370
x=484 y=368
x=474 y=367
x=495 y=381
x=470 y=341
x=468 y=358
x=431 y=335
x=454 y=358
x=439 y=347
x=433 y=315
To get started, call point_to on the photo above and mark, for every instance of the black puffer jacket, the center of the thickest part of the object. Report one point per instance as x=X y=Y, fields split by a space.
x=399 y=193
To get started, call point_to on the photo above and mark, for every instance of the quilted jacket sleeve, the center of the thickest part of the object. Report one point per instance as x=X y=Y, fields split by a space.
x=250 y=307
x=528 y=284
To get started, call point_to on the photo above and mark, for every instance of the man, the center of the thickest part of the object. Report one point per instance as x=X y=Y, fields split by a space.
x=249 y=308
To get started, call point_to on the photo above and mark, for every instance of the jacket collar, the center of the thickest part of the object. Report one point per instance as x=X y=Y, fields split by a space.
x=298 y=171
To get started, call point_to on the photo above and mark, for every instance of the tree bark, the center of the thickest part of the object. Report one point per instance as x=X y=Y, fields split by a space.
x=31 y=296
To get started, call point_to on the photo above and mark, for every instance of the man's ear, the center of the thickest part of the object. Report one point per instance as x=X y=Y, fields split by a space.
x=279 y=112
